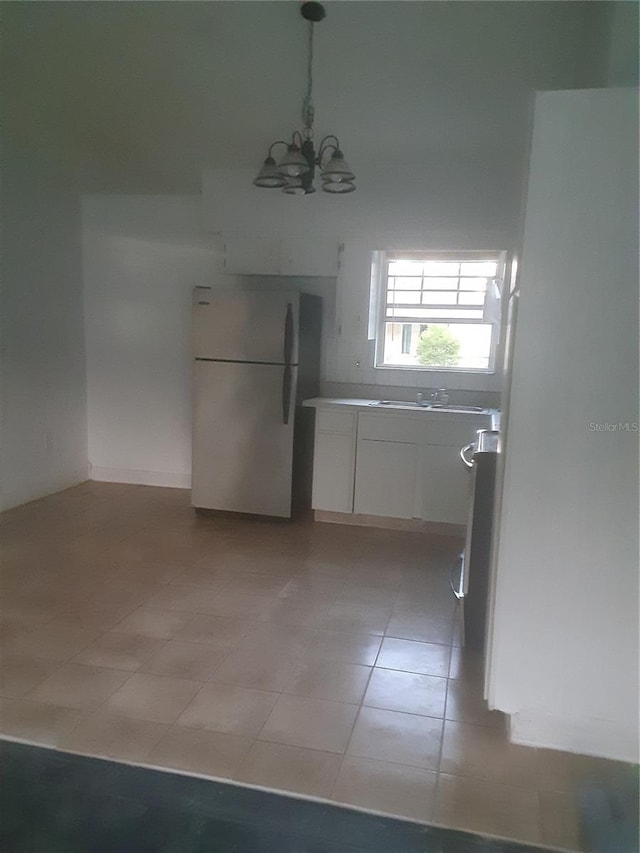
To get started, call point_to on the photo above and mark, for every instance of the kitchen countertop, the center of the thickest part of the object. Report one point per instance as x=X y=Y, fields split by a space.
x=352 y=402
x=369 y=405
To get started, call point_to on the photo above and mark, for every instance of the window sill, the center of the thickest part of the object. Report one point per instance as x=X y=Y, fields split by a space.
x=477 y=380
x=455 y=371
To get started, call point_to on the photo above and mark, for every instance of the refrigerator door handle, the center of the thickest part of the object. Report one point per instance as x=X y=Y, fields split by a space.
x=288 y=334
x=286 y=393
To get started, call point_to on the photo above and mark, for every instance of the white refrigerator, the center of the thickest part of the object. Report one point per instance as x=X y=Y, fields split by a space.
x=256 y=356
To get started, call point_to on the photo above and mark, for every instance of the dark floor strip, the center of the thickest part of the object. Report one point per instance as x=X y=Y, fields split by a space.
x=53 y=802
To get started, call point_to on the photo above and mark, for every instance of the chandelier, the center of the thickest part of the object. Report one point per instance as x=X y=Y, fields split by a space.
x=294 y=173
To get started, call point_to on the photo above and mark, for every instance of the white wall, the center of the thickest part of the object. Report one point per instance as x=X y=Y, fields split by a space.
x=460 y=204
x=141 y=258
x=143 y=255
x=564 y=659
x=622 y=67
x=44 y=435
x=144 y=95
x=420 y=90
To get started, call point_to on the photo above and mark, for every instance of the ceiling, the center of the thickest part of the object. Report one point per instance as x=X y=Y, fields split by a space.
x=140 y=97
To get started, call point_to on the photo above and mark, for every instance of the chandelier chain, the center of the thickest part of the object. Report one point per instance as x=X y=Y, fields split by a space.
x=307 y=105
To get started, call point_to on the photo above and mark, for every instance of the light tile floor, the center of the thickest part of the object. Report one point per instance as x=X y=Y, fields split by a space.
x=309 y=658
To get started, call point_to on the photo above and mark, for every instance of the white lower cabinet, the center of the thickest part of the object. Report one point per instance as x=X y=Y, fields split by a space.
x=334 y=458
x=333 y=472
x=386 y=479
x=445 y=484
x=392 y=464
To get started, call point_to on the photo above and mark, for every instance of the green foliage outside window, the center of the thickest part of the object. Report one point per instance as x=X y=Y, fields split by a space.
x=437 y=347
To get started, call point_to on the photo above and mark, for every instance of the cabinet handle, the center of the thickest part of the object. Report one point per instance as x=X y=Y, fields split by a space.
x=463 y=454
x=458 y=590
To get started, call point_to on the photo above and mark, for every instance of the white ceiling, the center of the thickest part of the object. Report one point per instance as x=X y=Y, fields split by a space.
x=142 y=96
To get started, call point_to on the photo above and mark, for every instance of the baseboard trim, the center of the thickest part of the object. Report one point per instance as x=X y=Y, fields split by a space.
x=10 y=500
x=601 y=738
x=416 y=525
x=140 y=478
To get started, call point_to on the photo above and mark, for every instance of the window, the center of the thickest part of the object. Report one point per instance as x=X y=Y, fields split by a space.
x=407 y=333
x=438 y=311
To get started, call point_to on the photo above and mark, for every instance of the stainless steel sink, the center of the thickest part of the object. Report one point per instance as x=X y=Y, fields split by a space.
x=451 y=408
x=425 y=407
x=396 y=404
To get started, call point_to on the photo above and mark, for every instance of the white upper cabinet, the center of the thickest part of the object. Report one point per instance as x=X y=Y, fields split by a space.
x=251 y=256
x=308 y=256
x=271 y=255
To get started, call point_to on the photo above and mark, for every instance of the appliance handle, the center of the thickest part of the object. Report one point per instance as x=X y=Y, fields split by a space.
x=459 y=592
x=288 y=334
x=463 y=454
x=286 y=393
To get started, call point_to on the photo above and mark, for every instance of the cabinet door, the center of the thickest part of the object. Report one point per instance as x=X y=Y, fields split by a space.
x=251 y=255
x=308 y=256
x=386 y=479
x=272 y=255
x=445 y=484
x=333 y=464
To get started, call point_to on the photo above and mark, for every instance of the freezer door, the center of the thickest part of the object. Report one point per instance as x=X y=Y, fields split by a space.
x=255 y=326
x=243 y=437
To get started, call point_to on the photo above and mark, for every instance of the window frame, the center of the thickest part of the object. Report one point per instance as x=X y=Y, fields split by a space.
x=385 y=257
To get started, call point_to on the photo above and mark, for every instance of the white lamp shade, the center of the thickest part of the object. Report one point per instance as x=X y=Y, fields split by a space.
x=343 y=187
x=294 y=187
x=294 y=163
x=337 y=169
x=268 y=176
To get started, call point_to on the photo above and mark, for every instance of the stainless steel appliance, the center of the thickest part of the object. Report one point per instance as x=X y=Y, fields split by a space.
x=256 y=356
x=470 y=578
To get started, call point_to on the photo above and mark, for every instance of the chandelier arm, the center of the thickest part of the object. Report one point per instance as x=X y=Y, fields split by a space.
x=325 y=145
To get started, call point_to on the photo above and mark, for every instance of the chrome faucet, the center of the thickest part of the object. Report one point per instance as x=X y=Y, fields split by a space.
x=439 y=397
x=432 y=397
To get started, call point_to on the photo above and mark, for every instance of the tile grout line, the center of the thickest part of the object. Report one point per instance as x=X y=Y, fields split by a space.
x=355 y=720
x=361 y=705
x=103 y=530
x=444 y=715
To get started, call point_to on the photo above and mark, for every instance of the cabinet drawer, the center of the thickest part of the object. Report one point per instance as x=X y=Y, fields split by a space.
x=389 y=427
x=330 y=420
x=422 y=428
x=452 y=431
